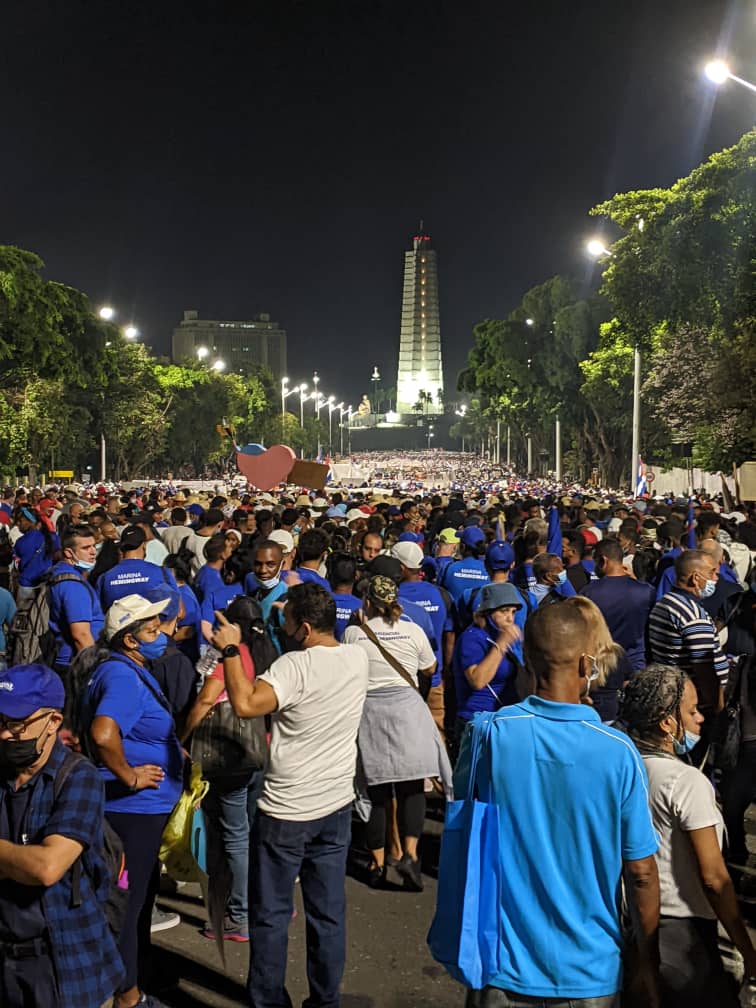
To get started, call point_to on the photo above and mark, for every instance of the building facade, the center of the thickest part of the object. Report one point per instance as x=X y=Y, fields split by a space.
x=420 y=377
x=240 y=345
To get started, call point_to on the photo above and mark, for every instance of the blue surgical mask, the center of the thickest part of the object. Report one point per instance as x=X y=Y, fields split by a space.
x=708 y=589
x=561 y=577
x=689 y=742
x=152 y=650
x=85 y=565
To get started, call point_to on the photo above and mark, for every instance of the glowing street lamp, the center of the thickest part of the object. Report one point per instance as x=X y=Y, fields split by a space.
x=202 y=352
x=331 y=403
x=719 y=72
x=596 y=248
x=106 y=313
x=131 y=332
x=218 y=365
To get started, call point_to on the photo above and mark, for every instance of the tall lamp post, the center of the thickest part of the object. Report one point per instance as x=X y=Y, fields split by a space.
x=107 y=313
x=349 y=428
x=430 y=435
x=461 y=413
x=331 y=407
x=598 y=250
x=375 y=378
x=285 y=393
x=341 y=428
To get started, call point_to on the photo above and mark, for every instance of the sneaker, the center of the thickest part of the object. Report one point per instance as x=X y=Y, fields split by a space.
x=232 y=931
x=163 y=920
x=412 y=873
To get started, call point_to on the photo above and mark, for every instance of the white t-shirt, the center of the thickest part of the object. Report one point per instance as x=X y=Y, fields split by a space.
x=681 y=800
x=406 y=641
x=313 y=746
x=173 y=536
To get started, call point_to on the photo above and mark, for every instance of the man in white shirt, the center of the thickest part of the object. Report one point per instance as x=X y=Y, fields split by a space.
x=303 y=821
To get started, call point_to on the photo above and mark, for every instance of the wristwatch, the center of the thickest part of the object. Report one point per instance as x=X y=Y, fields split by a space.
x=230 y=651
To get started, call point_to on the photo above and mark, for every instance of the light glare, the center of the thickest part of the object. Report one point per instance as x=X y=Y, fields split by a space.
x=717 y=71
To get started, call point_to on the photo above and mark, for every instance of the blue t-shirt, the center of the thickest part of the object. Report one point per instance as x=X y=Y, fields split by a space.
x=7 y=612
x=218 y=598
x=625 y=605
x=309 y=576
x=561 y=938
x=462 y=574
x=73 y=601
x=471 y=648
x=346 y=607
x=132 y=577
x=206 y=579
x=124 y=691
x=430 y=598
x=32 y=559
x=465 y=609
x=191 y=618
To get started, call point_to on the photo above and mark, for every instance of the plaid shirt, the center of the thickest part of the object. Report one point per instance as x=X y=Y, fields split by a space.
x=88 y=967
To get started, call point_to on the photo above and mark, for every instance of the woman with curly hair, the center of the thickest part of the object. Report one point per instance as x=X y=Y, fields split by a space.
x=659 y=709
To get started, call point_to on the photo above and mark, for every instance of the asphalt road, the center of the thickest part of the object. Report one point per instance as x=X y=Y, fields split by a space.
x=388 y=963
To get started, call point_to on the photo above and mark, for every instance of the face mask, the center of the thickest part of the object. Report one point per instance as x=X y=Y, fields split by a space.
x=561 y=577
x=85 y=565
x=151 y=650
x=297 y=529
x=270 y=582
x=689 y=742
x=708 y=589
x=17 y=755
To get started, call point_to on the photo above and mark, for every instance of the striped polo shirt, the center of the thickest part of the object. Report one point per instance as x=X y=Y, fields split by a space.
x=681 y=633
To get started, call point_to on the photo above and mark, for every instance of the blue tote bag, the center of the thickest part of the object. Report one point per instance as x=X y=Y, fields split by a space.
x=464 y=935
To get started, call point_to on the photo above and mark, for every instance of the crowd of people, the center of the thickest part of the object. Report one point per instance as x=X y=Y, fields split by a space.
x=345 y=657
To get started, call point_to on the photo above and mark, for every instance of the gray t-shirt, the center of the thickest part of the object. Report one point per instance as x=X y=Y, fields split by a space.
x=681 y=800
x=313 y=745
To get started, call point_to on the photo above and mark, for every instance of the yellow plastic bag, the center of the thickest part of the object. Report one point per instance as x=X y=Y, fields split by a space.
x=175 y=846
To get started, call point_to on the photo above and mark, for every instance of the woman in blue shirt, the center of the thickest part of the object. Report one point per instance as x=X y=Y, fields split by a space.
x=131 y=732
x=485 y=671
x=34 y=551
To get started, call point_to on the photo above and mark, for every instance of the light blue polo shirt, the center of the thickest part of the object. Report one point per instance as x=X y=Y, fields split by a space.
x=573 y=805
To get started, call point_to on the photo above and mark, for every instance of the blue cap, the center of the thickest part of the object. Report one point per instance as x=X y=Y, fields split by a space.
x=394 y=510
x=499 y=556
x=195 y=509
x=162 y=593
x=26 y=688
x=473 y=535
x=410 y=537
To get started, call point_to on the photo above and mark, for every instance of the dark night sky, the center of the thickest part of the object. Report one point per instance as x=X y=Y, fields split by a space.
x=247 y=157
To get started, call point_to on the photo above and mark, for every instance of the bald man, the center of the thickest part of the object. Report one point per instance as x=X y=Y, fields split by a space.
x=573 y=812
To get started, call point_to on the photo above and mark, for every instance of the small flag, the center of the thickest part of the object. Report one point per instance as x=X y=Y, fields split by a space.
x=555 y=532
x=690 y=539
x=641 y=487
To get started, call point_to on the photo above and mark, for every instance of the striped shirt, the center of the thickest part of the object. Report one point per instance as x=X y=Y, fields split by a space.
x=682 y=633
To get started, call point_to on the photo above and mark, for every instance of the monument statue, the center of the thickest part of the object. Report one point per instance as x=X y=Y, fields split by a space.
x=364 y=409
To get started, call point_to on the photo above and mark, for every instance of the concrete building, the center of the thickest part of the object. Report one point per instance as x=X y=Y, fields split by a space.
x=240 y=345
x=420 y=368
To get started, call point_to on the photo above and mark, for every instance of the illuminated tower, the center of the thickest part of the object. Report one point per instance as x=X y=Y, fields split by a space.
x=420 y=372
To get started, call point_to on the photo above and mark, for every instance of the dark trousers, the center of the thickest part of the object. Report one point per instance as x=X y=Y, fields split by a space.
x=691 y=973
x=28 y=981
x=410 y=811
x=281 y=849
x=140 y=836
x=494 y=997
x=738 y=789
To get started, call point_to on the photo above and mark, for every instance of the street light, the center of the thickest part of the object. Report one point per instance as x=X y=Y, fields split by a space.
x=430 y=435
x=219 y=365
x=529 y=321
x=106 y=313
x=375 y=378
x=131 y=332
x=202 y=352
x=340 y=408
x=331 y=407
x=461 y=412
x=597 y=250
x=718 y=72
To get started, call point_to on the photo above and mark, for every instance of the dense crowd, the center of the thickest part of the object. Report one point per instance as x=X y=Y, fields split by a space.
x=581 y=663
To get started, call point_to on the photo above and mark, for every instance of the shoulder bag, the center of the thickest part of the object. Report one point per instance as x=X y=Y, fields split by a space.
x=395 y=665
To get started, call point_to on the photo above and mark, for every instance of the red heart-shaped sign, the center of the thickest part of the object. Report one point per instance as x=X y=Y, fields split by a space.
x=268 y=469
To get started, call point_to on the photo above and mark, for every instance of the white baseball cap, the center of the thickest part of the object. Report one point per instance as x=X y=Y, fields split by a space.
x=128 y=610
x=409 y=554
x=284 y=539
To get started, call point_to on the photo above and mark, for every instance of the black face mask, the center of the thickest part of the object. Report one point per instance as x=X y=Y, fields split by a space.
x=17 y=755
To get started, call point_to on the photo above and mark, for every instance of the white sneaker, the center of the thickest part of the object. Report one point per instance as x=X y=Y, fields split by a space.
x=163 y=920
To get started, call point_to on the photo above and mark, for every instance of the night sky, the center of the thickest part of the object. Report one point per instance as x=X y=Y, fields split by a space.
x=246 y=157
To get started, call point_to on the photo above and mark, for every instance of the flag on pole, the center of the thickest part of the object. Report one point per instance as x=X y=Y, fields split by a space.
x=641 y=486
x=690 y=538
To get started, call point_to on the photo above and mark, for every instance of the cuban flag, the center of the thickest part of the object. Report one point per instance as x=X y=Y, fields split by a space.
x=641 y=487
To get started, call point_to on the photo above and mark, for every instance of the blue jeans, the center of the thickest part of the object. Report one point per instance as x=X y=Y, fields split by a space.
x=229 y=807
x=316 y=851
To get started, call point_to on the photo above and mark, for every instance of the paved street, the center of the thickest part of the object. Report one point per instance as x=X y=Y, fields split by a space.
x=388 y=963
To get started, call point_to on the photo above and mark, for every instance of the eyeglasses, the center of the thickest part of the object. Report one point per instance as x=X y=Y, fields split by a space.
x=19 y=727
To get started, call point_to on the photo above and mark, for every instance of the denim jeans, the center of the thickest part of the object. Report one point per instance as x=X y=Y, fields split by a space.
x=229 y=807
x=280 y=850
x=494 y=997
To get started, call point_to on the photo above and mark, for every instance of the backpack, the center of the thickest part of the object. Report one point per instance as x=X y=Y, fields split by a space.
x=117 y=901
x=30 y=638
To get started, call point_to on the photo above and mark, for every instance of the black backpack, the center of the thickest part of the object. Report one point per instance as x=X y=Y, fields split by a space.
x=30 y=638
x=112 y=851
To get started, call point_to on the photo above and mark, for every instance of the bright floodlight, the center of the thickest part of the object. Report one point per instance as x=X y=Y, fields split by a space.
x=106 y=313
x=284 y=381
x=717 y=71
x=202 y=352
x=131 y=332
x=597 y=248
x=529 y=321
x=219 y=365
x=303 y=386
